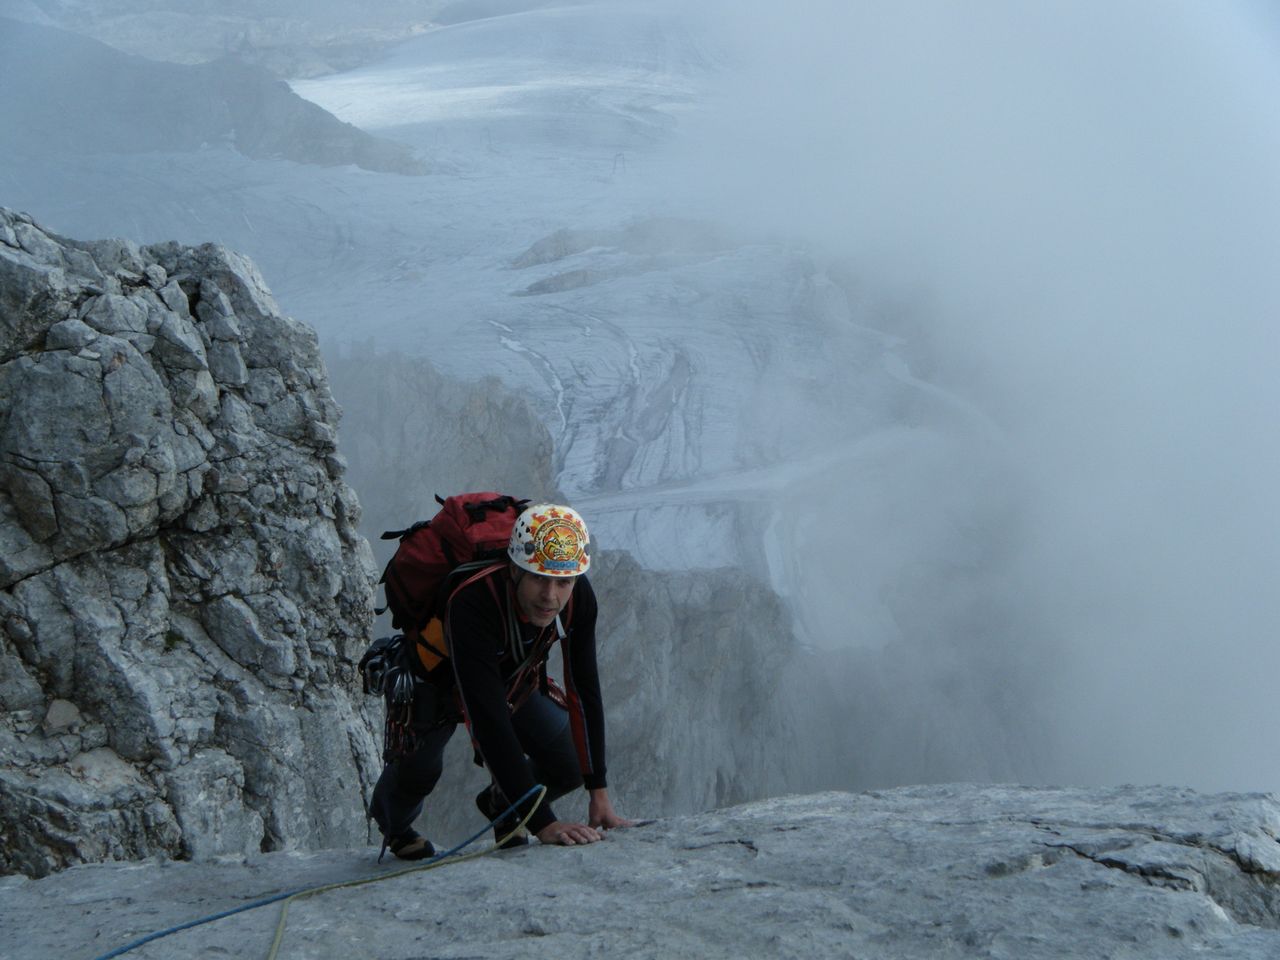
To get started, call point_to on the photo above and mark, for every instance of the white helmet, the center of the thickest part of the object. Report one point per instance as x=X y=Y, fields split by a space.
x=550 y=540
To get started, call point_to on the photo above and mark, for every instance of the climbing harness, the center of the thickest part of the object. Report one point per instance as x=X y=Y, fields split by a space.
x=447 y=858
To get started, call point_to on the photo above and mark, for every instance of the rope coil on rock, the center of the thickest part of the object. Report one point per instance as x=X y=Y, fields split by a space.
x=439 y=860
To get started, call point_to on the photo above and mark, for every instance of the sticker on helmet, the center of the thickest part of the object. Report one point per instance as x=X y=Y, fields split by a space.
x=550 y=540
x=559 y=544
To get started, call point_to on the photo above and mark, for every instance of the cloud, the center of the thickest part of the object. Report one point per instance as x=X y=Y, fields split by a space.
x=1086 y=197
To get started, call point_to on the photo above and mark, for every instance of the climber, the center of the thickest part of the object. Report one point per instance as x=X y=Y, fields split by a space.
x=498 y=627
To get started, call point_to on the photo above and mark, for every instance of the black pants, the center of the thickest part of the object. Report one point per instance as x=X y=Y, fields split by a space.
x=541 y=726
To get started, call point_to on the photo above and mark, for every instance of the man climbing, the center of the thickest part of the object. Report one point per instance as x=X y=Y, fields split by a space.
x=498 y=627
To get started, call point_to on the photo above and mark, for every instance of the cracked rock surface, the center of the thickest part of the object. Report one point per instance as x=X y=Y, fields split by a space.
x=182 y=588
x=923 y=872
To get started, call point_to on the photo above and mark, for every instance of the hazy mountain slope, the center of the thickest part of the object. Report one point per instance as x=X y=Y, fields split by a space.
x=289 y=38
x=64 y=92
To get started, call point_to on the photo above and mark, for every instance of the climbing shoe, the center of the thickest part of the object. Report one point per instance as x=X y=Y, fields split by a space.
x=490 y=804
x=411 y=845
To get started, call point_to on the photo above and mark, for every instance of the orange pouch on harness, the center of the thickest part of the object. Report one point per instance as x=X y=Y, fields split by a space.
x=431 y=648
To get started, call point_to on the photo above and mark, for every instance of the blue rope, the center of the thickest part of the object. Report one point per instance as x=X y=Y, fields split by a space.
x=265 y=901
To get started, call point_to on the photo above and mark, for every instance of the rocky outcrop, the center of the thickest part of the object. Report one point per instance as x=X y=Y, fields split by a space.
x=922 y=872
x=182 y=588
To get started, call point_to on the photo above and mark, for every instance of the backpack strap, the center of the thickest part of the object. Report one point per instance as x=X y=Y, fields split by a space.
x=532 y=673
x=548 y=686
x=479 y=570
x=433 y=647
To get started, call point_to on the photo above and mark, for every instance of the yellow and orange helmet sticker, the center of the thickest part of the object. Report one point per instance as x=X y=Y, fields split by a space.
x=551 y=540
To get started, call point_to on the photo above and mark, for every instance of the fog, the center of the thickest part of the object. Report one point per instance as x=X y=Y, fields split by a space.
x=1052 y=228
x=1078 y=202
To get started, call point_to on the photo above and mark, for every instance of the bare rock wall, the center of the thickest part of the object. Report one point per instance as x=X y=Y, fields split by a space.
x=182 y=588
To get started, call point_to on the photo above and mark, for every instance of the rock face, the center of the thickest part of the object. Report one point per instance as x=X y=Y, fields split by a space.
x=698 y=671
x=412 y=432
x=924 y=872
x=182 y=588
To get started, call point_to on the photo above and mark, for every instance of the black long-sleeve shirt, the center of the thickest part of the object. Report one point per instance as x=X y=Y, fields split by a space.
x=477 y=625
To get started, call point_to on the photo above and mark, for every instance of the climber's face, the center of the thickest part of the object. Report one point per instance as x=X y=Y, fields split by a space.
x=540 y=599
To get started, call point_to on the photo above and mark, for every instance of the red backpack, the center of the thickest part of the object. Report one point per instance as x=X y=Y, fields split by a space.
x=469 y=533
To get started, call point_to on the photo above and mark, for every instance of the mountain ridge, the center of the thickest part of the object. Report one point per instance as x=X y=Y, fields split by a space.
x=65 y=91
